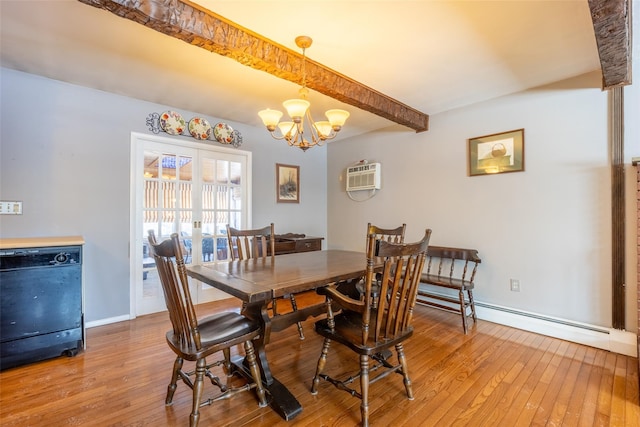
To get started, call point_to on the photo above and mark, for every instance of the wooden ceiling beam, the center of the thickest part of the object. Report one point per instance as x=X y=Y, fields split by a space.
x=612 y=26
x=200 y=27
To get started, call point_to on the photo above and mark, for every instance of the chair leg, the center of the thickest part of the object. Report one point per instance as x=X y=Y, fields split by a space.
x=255 y=373
x=472 y=304
x=364 y=389
x=322 y=361
x=171 y=389
x=227 y=367
x=463 y=311
x=294 y=307
x=405 y=370
x=198 y=384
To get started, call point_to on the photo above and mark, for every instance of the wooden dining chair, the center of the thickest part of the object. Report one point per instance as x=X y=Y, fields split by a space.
x=370 y=331
x=394 y=235
x=355 y=287
x=258 y=243
x=194 y=339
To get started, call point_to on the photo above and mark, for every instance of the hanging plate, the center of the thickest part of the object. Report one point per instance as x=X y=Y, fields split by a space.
x=172 y=123
x=223 y=133
x=199 y=128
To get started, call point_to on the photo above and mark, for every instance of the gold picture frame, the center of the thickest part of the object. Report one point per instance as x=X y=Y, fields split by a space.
x=287 y=183
x=497 y=153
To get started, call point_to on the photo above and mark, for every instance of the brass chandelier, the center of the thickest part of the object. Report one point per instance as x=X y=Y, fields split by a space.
x=298 y=109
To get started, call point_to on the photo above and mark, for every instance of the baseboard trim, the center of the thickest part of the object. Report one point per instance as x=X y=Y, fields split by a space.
x=617 y=341
x=614 y=340
x=107 y=321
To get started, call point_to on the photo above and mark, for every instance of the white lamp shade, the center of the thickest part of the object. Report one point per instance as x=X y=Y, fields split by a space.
x=323 y=128
x=296 y=107
x=269 y=117
x=288 y=128
x=337 y=117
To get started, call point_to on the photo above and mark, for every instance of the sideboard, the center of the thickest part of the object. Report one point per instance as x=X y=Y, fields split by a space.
x=291 y=243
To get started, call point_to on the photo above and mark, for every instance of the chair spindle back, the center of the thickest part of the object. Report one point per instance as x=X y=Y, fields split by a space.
x=400 y=277
x=247 y=244
x=172 y=271
x=394 y=235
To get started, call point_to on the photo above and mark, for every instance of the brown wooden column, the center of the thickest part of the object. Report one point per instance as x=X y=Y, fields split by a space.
x=636 y=163
x=616 y=124
x=638 y=265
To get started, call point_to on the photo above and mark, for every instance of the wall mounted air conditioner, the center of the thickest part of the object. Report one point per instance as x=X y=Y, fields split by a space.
x=364 y=177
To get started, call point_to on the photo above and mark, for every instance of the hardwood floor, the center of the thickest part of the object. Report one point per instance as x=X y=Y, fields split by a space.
x=494 y=376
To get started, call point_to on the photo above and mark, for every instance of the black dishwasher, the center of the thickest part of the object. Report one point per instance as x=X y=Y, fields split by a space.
x=40 y=304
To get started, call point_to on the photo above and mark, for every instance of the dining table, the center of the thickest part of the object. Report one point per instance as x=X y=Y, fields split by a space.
x=257 y=281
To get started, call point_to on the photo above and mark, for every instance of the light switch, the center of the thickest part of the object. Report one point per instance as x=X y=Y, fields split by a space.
x=10 y=208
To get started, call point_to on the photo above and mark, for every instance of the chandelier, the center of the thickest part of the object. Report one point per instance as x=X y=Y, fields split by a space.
x=298 y=109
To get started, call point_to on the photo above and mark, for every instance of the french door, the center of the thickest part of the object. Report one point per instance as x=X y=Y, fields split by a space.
x=190 y=189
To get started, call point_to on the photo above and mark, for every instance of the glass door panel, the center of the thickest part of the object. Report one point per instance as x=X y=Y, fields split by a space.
x=189 y=190
x=166 y=208
x=222 y=176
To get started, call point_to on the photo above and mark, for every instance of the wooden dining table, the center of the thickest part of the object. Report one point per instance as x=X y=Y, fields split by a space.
x=257 y=281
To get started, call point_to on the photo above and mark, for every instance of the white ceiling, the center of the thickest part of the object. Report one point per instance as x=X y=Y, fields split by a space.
x=431 y=55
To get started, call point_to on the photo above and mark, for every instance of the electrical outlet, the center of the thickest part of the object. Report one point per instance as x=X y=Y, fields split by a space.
x=515 y=285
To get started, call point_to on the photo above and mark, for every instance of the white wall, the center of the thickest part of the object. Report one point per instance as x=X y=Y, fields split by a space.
x=549 y=226
x=65 y=154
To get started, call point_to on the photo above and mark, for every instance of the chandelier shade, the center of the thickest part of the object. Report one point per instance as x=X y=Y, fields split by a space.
x=287 y=128
x=270 y=118
x=337 y=117
x=324 y=128
x=298 y=110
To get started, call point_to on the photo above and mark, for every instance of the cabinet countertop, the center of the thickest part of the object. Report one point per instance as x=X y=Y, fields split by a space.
x=36 y=242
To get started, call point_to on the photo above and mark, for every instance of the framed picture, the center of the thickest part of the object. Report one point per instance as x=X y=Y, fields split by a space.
x=288 y=183
x=497 y=153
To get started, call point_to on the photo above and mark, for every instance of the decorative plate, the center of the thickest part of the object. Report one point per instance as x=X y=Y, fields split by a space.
x=223 y=133
x=199 y=128
x=172 y=123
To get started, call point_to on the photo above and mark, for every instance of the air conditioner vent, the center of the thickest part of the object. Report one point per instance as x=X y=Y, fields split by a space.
x=364 y=177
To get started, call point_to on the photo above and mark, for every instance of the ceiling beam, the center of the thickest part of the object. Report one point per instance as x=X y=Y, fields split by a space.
x=200 y=27
x=612 y=26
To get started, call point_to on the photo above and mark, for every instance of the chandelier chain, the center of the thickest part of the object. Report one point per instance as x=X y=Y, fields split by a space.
x=304 y=68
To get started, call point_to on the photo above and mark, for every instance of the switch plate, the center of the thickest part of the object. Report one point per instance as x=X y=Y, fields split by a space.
x=515 y=285
x=10 y=208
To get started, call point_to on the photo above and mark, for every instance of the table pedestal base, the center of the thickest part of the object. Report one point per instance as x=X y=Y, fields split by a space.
x=280 y=398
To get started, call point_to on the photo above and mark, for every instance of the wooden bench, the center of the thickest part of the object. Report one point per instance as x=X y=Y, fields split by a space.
x=451 y=268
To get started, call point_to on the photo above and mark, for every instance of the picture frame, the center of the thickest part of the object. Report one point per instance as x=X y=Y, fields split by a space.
x=287 y=183
x=496 y=153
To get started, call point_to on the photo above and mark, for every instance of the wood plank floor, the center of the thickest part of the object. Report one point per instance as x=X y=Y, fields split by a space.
x=494 y=376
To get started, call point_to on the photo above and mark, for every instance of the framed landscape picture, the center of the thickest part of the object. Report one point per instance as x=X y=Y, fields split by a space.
x=288 y=183
x=497 y=153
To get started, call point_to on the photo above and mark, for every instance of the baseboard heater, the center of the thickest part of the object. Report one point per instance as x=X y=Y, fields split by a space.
x=543 y=317
x=610 y=339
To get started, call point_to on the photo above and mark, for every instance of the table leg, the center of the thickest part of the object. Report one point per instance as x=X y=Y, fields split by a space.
x=281 y=399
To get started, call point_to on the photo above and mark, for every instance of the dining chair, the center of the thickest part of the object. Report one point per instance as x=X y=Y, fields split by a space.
x=371 y=331
x=194 y=339
x=355 y=287
x=258 y=243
